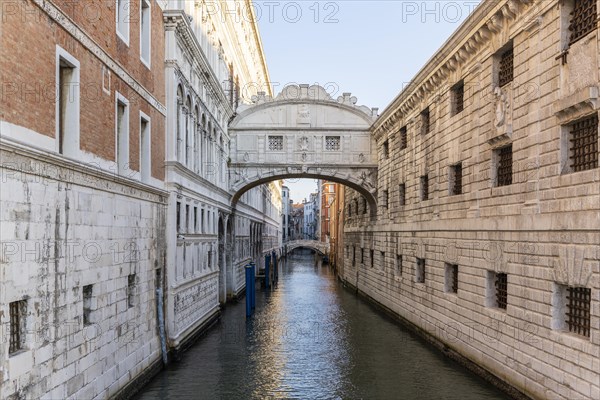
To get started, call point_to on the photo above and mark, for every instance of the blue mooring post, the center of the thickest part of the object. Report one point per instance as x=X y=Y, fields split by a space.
x=248 y=290
x=253 y=285
x=267 y=265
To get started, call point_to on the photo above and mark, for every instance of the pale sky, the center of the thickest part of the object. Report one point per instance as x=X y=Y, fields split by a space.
x=369 y=48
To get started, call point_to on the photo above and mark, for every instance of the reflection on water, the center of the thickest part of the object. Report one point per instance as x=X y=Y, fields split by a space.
x=311 y=339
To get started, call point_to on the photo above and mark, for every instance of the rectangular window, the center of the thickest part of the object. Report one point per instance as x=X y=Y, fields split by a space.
x=501 y=284
x=353 y=255
x=145 y=155
x=145 y=32
x=451 y=280
x=583 y=144
x=457 y=95
x=202 y=228
x=122 y=135
x=571 y=308
x=364 y=203
x=131 y=290
x=210 y=257
x=420 y=270
x=425 y=187
x=505 y=68
x=425 y=121
x=178 y=217
x=87 y=293
x=332 y=143
x=372 y=257
x=402 y=194
x=398 y=265
x=349 y=210
x=385 y=199
x=403 y=138
x=123 y=12
x=187 y=218
x=67 y=104
x=18 y=315
x=504 y=173
x=386 y=149
x=362 y=255
x=276 y=143
x=584 y=19
x=455 y=180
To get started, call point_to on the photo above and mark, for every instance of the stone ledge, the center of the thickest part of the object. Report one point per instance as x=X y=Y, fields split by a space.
x=577 y=105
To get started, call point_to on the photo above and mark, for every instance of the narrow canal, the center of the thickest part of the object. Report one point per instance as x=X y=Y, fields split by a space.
x=312 y=339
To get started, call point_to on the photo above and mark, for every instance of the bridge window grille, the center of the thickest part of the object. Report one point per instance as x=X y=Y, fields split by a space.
x=504 y=166
x=420 y=270
x=402 y=194
x=505 y=72
x=584 y=144
x=578 y=310
x=583 y=19
x=403 y=138
x=451 y=278
x=456 y=179
x=276 y=143
x=398 y=265
x=425 y=187
x=386 y=149
x=18 y=313
x=425 y=121
x=458 y=97
x=332 y=143
x=501 y=290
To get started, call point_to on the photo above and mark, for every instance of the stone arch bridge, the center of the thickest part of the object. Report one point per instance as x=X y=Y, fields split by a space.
x=316 y=245
x=304 y=133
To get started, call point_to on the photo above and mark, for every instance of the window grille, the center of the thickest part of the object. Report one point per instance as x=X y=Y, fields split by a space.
x=583 y=19
x=425 y=121
x=18 y=311
x=458 y=94
x=386 y=149
x=454 y=277
x=402 y=194
x=399 y=264
x=501 y=290
x=403 y=138
x=276 y=143
x=385 y=198
x=420 y=272
x=456 y=179
x=425 y=187
x=584 y=144
x=504 y=167
x=364 y=201
x=332 y=143
x=505 y=74
x=578 y=310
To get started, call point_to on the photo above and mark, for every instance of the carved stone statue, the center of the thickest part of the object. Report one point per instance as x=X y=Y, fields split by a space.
x=501 y=106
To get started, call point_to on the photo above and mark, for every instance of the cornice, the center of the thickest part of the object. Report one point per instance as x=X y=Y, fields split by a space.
x=177 y=20
x=474 y=34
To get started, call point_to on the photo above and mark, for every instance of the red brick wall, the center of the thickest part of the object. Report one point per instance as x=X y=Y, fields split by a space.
x=27 y=67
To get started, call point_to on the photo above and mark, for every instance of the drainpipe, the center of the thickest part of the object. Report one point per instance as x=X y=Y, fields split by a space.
x=161 y=322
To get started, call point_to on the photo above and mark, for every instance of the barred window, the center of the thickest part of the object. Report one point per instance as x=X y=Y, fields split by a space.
x=18 y=314
x=332 y=143
x=420 y=270
x=501 y=290
x=276 y=143
x=456 y=179
x=398 y=264
x=584 y=144
x=425 y=187
x=425 y=121
x=87 y=304
x=504 y=166
x=451 y=278
x=131 y=290
x=458 y=97
x=583 y=19
x=403 y=138
x=386 y=149
x=362 y=255
x=353 y=255
x=578 y=310
x=402 y=194
x=385 y=199
x=505 y=72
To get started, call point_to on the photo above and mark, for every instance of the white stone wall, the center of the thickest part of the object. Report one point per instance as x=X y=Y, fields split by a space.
x=542 y=230
x=65 y=226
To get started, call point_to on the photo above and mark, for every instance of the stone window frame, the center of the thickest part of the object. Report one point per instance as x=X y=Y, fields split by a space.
x=122 y=134
x=452 y=174
x=496 y=64
x=561 y=307
x=71 y=140
x=496 y=158
x=403 y=138
x=275 y=143
x=333 y=143
x=450 y=278
x=17 y=327
x=122 y=19
x=145 y=147
x=146 y=36
x=566 y=145
x=492 y=291
x=457 y=92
